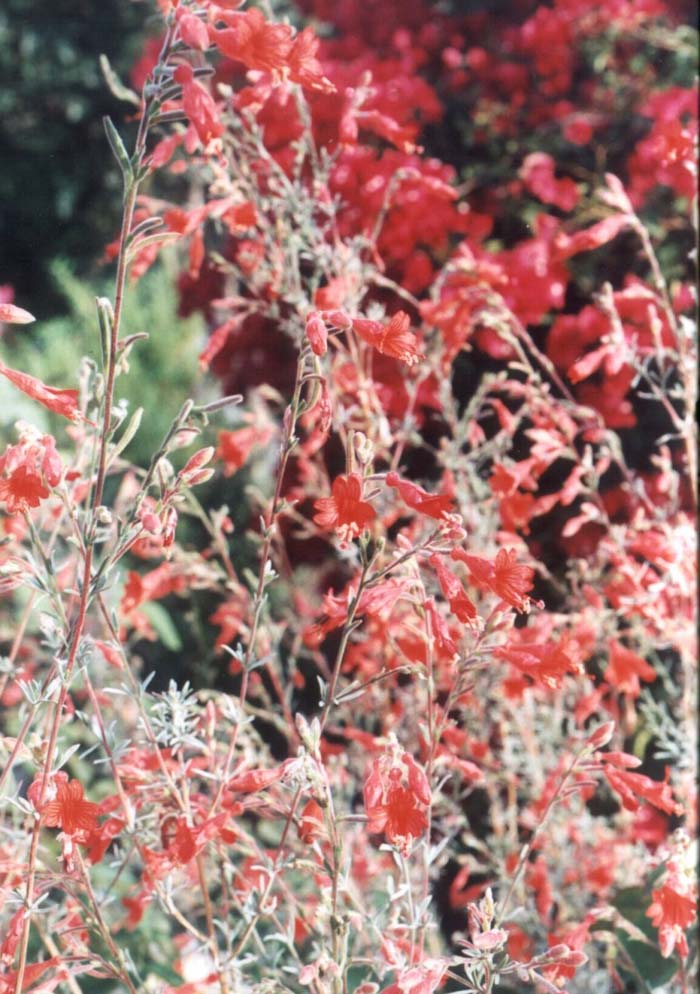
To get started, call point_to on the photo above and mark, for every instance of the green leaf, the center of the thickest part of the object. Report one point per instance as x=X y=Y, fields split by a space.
x=651 y=966
x=120 y=152
x=163 y=624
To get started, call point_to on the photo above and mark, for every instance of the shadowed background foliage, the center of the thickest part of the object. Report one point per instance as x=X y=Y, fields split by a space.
x=59 y=190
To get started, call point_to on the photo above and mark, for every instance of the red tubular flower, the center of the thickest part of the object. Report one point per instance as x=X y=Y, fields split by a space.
x=235 y=446
x=28 y=470
x=460 y=604
x=505 y=577
x=393 y=339
x=345 y=510
x=303 y=64
x=397 y=798
x=311 y=823
x=546 y=665
x=626 y=669
x=434 y=505
x=590 y=238
x=672 y=912
x=68 y=810
x=192 y=29
x=634 y=788
x=250 y=39
x=22 y=490
x=251 y=781
x=64 y=402
x=198 y=105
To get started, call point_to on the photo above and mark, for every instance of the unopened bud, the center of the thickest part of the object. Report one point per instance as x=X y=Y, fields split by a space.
x=190 y=473
x=103 y=515
x=151 y=523
x=339 y=319
x=317 y=334
x=601 y=736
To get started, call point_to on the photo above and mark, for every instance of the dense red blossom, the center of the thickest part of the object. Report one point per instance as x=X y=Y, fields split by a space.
x=634 y=788
x=410 y=230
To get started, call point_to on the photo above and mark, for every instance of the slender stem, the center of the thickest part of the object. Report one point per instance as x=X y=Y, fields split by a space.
x=130 y=195
x=287 y=443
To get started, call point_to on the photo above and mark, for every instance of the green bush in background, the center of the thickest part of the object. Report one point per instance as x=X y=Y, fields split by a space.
x=162 y=369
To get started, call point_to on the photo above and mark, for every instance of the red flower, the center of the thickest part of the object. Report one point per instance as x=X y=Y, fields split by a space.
x=303 y=65
x=251 y=781
x=425 y=978
x=505 y=577
x=393 y=339
x=69 y=810
x=633 y=786
x=434 y=505
x=198 y=105
x=345 y=510
x=29 y=469
x=311 y=823
x=511 y=580
x=64 y=402
x=255 y=42
x=193 y=30
x=397 y=798
x=672 y=913
x=545 y=664
x=460 y=605
x=590 y=238
x=22 y=489
x=626 y=669
x=235 y=446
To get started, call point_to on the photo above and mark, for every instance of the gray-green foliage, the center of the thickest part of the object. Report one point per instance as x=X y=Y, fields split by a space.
x=162 y=370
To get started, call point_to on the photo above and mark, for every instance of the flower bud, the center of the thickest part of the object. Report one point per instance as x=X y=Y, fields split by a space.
x=317 y=334
x=601 y=736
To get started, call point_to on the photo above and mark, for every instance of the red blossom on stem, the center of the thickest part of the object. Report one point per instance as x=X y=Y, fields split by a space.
x=397 y=798
x=392 y=339
x=63 y=402
x=345 y=510
x=67 y=809
x=198 y=105
x=432 y=505
x=672 y=912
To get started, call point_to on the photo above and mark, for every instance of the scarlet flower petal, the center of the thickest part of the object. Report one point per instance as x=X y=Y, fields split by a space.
x=434 y=505
x=69 y=810
x=64 y=402
x=345 y=509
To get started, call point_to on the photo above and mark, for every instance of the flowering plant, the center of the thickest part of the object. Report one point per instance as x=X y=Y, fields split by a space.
x=448 y=745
